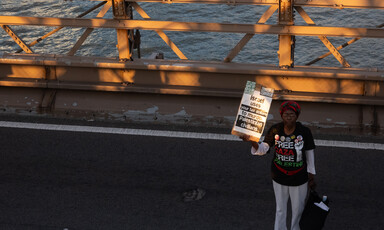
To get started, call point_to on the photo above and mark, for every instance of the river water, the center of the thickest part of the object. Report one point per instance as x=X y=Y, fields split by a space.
x=261 y=49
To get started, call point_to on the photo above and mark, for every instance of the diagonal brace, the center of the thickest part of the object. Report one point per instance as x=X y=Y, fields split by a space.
x=17 y=39
x=88 y=31
x=166 y=39
x=339 y=48
x=236 y=50
x=61 y=27
x=333 y=50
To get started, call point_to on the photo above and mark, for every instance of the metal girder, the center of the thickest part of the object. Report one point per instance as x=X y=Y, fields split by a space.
x=88 y=31
x=371 y=74
x=163 y=36
x=92 y=85
x=378 y=4
x=334 y=51
x=321 y=97
x=338 y=48
x=197 y=27
x=286 y=42
x=60 y=27
x=17 y=39
x=122 y=10
x=263 y=19
x=324 y=39
x=48 y=100
x=73 y=68
x=374 y=4
x=234 y=92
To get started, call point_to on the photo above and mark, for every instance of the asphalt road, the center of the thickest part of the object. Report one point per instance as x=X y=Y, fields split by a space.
x=52 y=180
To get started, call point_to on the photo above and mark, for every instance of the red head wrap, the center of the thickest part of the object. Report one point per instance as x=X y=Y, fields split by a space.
x=290 y=105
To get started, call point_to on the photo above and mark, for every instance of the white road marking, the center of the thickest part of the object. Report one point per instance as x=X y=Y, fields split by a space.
x=171 y=134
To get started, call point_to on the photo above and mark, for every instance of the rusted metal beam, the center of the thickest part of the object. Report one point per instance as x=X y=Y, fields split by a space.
x=88 y=31
x=201 y=111
x=370 y=74
x=338 y=48
x=263 y=19
x=197 y=27
x=17 y=39
x=122 y=10
x=372 y=4
x=286 y=42
x=60 y=27
x=313 y=97
x=324 y=39
x=163 y=36
x=48 y=100
x=332 y=85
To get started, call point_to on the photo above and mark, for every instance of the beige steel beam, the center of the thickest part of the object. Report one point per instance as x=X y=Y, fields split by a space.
x=109 y=88
x=59 y=28
x=33 y=66
x=324 y=39
x=286 y=42
x=373 y=4
x=17 y=39
x=196 y=26
x=88 y=31
x=263 y=19
x=338 y=48
x=279 y=94
x=163 y=36
x=378 y=4
x=281 y=84
x=122 y=10
x=371 y=74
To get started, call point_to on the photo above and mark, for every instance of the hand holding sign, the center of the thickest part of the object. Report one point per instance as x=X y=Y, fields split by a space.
x=253 y=111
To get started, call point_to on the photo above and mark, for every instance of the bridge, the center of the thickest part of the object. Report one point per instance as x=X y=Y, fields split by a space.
x=155 y=89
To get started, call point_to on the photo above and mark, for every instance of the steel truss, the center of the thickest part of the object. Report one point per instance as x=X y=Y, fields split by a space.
x=52 y=73
x=125 y=25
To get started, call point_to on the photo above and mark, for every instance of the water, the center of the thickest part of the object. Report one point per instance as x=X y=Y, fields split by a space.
x=261 y=49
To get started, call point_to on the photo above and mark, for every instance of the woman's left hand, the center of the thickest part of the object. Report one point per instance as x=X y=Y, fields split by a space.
x=245 y=137
x=311 y=181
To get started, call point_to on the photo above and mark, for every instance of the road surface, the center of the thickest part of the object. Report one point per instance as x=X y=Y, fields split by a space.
x=56 y=180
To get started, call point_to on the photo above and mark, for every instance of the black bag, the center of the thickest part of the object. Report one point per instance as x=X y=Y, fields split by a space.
x=313 y=217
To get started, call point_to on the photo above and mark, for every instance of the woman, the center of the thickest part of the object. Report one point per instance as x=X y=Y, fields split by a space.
x=293 y=167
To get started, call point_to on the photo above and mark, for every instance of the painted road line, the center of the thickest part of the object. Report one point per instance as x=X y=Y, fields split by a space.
x=171 y=134
x=122 y=131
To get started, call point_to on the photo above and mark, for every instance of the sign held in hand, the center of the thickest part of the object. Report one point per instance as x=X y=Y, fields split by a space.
x=253 y=111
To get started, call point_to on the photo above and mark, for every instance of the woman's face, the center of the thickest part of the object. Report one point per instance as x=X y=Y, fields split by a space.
x=289 y=117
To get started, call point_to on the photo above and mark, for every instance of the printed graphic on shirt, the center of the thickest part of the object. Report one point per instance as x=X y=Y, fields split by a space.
x=289 y=151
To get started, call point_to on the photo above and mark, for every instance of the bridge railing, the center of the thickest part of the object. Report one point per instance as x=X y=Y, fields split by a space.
x=356 y=95
x=285 y=27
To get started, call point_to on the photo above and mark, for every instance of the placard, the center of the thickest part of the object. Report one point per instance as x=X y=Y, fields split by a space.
x=253 y=111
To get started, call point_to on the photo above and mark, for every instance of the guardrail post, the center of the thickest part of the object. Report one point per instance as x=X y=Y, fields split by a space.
x=286 y=42
x=123 y=10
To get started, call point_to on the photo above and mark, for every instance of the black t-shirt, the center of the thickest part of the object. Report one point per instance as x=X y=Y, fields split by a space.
x=289 y=164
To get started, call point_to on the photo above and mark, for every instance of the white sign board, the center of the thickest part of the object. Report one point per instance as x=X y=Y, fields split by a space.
x=253 y=111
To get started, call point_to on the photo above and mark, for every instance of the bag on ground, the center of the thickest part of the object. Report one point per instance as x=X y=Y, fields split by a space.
x=315 y=212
